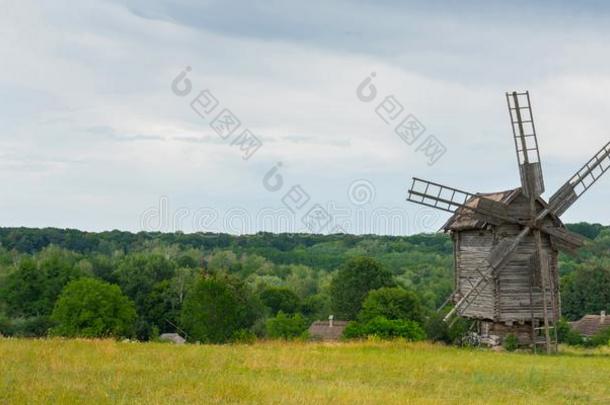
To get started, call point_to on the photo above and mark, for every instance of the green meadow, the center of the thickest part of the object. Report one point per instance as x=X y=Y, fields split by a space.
x=107 y=371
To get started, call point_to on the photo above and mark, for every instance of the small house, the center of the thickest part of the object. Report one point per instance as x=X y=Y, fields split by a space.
x=327 y=330
x=173 y=338
x=590 y=325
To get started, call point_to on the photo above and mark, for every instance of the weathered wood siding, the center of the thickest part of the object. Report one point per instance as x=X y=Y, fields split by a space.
x=473 y=248
x=509 y=298
x=513 y=302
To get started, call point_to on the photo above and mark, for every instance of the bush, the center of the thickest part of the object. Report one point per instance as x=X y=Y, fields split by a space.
x=351 y=284
x=353 y=330
x=385 y=329
x=391 y=303
x=510 y=343
x=286 y=326
x=601 y=338
x=436 y=329
x=565 y=334
x=244 y=336
x=93 y=308
x=34 y=326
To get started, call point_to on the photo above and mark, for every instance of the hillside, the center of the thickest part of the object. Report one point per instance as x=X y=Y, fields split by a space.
x=155 y=269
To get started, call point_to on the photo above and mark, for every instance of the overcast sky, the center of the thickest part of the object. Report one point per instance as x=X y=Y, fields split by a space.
x=93 y=137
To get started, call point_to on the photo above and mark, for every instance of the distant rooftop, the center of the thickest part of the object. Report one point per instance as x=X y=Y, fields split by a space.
x=172 y=337
x=589 y=325
x=323 y=330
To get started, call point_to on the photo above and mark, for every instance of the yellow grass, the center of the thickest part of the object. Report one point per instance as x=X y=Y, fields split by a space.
x=105 y=371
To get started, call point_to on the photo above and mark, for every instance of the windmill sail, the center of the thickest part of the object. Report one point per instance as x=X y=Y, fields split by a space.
x=526 y=143
x=564 y=239
x=450 y=199
x=580 y=182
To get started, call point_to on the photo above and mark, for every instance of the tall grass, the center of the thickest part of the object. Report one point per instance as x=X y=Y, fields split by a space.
x=105 y=371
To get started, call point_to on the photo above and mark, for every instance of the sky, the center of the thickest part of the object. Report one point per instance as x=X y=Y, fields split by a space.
x=104 y=120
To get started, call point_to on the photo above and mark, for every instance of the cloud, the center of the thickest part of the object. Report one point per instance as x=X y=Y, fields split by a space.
x=85 y=100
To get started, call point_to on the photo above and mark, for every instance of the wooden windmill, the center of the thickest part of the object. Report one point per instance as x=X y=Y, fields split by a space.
x=506 y=243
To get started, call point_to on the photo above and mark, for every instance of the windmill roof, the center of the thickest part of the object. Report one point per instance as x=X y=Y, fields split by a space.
x=466 y=219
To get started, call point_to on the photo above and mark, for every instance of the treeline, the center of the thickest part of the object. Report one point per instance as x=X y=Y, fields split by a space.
x=150 y=283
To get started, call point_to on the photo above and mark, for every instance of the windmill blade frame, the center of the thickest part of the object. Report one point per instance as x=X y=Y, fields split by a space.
x=564 y=239
x=580 y=182
x=451 y=199
x=526 y=142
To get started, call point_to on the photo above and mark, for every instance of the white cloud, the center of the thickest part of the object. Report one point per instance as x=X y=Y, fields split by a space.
x=89 y=119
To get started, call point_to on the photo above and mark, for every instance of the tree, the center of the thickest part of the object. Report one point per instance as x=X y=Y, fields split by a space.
x=139 y=276
x=280 y=299
x=93 y=308
x=587 y=289
x=285 y=326
x=218 y=307
x=352 y=283
x=316 y=307
x=23 y=291
x=32 y=289
x=392 y=303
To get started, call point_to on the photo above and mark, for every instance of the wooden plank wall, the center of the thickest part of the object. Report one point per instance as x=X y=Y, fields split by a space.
x=474 y=248
x=509 y=299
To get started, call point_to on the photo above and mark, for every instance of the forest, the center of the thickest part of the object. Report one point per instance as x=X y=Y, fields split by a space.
x=218 y=287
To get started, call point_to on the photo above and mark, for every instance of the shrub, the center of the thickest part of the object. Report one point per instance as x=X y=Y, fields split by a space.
x=565 y=334
x=93 y=308
x=601 y=338
x=385 y=329
x=353 y=330
x=286 y=326
x=244 y=336
x=439 y=331
x=436 y=329
x=510 y=343
x=391 y=303
x=33 y=326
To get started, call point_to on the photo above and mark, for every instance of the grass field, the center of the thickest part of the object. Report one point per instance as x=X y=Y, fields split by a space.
x=105 y=371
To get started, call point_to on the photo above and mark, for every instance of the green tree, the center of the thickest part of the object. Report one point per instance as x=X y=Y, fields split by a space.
x=280 y=299
x=139 y=276
x=587 y=289
x=285 y=326
x=352 y=283
x=93 y=308
x=316 y=307
x=217 y=308
x=24 y=291
x=392 y=303
x=33 y=287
